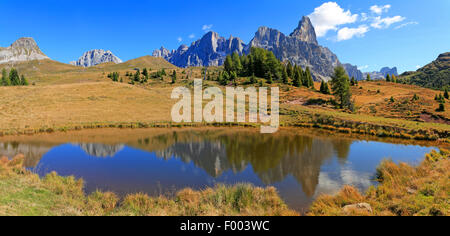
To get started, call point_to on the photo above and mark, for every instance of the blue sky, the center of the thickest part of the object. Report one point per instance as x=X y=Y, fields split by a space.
x=369 y=34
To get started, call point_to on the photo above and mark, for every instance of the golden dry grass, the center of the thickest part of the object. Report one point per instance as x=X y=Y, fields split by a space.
x=404 y=190
x=46 y=72
x=23 y=194
x=373 y=98
x=35 y=107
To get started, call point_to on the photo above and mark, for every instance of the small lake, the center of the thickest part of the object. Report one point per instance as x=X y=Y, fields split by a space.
x=301 y=164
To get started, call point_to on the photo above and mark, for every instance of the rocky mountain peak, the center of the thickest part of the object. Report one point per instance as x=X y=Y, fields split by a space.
x=305 y=31
x=25 y=42
x=210 y=50
x=24 y=49
x=96 y=57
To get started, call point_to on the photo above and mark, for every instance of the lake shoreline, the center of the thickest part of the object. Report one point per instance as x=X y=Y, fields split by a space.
x=345 y=132
x=56 y=195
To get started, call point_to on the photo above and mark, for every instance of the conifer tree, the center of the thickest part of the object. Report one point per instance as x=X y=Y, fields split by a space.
x=174 y=77
x=341 y=87
x=23 y=80
x=297 y=78
x=285 y=76
x=5 y=78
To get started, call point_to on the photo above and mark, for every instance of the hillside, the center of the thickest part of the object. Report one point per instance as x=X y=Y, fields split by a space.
x=53 y=72
x=434 y=75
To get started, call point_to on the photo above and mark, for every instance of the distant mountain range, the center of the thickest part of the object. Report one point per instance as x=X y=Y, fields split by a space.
x=210 y=50
x=96 y=57
x=300 y=47
x=24 y=49
x=376 y=75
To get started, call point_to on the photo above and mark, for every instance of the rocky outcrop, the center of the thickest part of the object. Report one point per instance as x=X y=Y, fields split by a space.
x=96 y=57
x=24 y=49
x=358 y=208
x=299 y=48
x=353 y=71
x=211 y=50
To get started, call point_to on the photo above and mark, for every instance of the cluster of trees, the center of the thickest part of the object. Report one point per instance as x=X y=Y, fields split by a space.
x=13 y=78
x=441 y=100
x=115 y=76
x=262 y=63
x=391 y=78
x=145 y=75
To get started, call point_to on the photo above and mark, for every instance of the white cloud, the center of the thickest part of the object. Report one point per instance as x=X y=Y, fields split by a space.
x=348 y=33
x=406 y=24
x=180 y=39
x=380 y=9
x=207 y=27
x=329 y=16
x=380 y=23
x=418 y=67
x=364 y=17
x=192 y=36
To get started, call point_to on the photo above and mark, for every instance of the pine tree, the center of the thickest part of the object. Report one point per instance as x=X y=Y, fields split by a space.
x=441 y=107
x=341 y=87
x=5 y=78
x=137 y=76
x=228 y=64
x=309 y=80
x=388 y=78
x=446 y=95
x=145 y=73
x=23 y=81
x=237 y=65
x=290 y=70
x=326 y=89
x=297 y=79
x=368 y=77
x=285 y=76
x=14 y=77
x=174 y=77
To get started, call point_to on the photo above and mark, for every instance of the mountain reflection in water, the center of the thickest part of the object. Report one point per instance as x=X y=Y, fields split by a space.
x=300 y=166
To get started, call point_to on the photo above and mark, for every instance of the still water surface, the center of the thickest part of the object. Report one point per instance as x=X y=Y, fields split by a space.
x=301 y=166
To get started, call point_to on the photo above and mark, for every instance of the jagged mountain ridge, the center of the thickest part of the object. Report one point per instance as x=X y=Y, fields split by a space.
x=353 y=71
x=210 y=50
x=300 y=47
x=24 y=49
x=96 y=57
